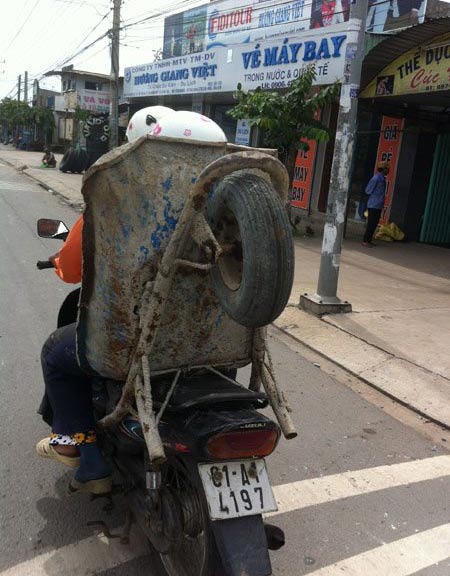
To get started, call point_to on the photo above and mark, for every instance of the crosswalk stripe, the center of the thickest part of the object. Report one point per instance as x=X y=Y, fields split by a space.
x=304 y=493
x=88 y=556
x=402 y=557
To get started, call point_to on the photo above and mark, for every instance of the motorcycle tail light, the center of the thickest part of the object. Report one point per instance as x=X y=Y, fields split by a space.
x=242 y=444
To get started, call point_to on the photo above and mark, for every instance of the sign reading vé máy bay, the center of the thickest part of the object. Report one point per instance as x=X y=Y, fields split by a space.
x=424 y=69
x=271 y=65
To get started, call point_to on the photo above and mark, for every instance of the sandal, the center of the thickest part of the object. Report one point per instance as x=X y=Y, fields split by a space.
x=97 y=486
x=46 y=450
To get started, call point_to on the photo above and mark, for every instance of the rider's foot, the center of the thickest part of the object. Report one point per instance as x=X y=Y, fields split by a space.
x=47 y=450
x=67 y=450
x=94 y=474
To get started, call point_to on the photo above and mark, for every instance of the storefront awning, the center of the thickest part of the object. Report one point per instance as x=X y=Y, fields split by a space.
x=397 y=44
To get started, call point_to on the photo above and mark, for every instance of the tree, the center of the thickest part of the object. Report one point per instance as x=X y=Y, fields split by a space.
x=15 y=115
x=287 y=118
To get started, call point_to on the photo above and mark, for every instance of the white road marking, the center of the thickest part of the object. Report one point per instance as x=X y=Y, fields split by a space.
x=89 y=556
x=304 y=493
x=400 y=558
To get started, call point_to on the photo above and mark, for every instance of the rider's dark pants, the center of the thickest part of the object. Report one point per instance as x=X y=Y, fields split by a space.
x=67 y=386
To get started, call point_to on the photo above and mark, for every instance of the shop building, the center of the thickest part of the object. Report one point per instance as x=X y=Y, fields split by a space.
x=210 y=49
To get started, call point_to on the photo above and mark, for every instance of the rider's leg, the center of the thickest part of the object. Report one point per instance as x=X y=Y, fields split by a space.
x=69 y=392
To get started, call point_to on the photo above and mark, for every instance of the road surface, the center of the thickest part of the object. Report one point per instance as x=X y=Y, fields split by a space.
x=364 y=490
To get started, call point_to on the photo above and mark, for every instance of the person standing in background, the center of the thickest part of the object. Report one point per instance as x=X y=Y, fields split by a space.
x=376 y=192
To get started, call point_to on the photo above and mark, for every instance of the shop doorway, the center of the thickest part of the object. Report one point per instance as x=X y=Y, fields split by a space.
x=417 y=199
x=436 y=219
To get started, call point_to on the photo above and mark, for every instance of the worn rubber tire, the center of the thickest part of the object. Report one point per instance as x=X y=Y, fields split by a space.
x=254 y=283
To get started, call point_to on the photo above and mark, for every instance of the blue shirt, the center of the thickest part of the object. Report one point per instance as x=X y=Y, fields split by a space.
x=376 y=190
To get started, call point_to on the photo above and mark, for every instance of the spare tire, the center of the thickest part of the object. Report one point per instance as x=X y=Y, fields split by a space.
x=253 y=277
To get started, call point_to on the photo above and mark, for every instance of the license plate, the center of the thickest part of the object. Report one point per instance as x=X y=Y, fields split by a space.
x=235 y=489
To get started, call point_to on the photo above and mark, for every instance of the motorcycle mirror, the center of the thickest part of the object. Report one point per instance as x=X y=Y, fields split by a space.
x=47 y=228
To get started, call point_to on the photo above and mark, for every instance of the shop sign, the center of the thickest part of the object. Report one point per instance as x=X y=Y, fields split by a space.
x=242 y=132
x=227 y=23
x=270 y=65
x=93 y=100
x=303 y=173
x=388 y=151
x=424 y=70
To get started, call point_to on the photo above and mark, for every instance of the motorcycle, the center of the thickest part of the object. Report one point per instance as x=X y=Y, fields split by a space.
x=202 y=509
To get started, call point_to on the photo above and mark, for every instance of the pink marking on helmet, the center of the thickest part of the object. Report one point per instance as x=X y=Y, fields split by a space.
x=187 y=132
x=205 y=119
x=157 y=130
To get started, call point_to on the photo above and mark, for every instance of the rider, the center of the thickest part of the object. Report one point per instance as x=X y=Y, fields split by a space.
x=73 y=440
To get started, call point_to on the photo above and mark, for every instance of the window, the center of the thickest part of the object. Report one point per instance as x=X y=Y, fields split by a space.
x=92 y=85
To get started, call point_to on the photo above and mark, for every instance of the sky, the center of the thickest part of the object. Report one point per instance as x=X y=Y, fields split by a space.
x=38 y=35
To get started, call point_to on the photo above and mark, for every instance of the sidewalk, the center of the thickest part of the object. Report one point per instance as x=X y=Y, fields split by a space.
x=397 y=338
x=68 y=186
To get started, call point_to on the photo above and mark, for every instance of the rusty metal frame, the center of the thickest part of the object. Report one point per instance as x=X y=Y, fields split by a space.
x=137 y=387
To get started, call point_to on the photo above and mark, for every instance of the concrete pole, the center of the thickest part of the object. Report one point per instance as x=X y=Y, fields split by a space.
x=19 y=87
x=114 y=77
x=25 y=88
x=326 y=300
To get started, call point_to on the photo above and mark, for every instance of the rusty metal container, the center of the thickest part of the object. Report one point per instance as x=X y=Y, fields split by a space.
x=134 y=198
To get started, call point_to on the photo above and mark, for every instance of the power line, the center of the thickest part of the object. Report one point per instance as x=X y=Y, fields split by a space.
x=24 y=22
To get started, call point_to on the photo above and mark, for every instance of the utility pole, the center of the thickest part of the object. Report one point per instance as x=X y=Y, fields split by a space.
x=326 y=300
x=19 y=86
x=25 y=88
x=114 y=79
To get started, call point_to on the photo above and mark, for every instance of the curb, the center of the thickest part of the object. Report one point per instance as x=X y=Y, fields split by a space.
x=23 y=168
x=360 y=374
x=65 y=199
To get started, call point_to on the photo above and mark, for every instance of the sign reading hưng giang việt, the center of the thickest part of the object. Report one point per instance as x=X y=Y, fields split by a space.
x=271 y=65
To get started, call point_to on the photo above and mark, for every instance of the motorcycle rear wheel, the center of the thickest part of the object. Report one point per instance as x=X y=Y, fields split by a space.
x=193 y=553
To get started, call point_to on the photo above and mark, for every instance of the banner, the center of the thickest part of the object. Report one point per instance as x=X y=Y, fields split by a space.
x=390 y=15
x=243 y=131
x=303 y=173
x=93 y=100
x=425 y=69
x=271 y=65
x=388 y=151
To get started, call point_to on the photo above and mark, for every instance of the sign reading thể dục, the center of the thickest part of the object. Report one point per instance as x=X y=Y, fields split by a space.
x=422 y=70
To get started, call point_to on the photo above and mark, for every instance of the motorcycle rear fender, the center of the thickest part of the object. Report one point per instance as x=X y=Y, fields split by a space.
x=242 y=546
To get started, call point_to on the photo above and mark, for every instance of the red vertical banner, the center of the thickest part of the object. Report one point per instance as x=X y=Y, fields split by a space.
x=303 y=172
x=388 y=151
x=303 y=175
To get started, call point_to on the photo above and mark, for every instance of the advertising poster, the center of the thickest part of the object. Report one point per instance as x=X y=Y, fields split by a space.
x=388 y=151
x=303 y=175
x=329 y=12
x=232 y=22
x=417 y=71
x=173 y=36
x=389 y=15
x=193 y=31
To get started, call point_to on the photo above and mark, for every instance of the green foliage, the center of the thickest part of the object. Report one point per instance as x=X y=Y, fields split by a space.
x=286 y=118
x=81 y=114
x=14 y=113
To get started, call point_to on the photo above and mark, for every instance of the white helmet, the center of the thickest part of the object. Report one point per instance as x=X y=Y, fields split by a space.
x=143 y=121
x=187 y=125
